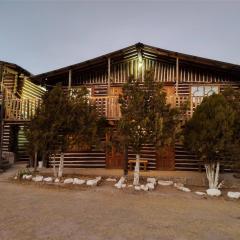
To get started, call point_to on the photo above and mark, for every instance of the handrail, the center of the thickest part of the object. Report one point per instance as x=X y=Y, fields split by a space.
x=16 y=108
x=107 y=106
x=24 y=108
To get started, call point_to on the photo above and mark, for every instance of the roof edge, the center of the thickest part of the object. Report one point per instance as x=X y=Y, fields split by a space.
x=17 y=67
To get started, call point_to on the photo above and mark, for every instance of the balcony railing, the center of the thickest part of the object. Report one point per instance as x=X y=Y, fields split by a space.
x=108 y=106
x=20 y=109
x=190 y=102
x=16 y=109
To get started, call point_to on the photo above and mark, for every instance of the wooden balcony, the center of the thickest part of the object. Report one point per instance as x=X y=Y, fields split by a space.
x=189 y=102
x=20 y=109
x=17 y=109
x=107 y=106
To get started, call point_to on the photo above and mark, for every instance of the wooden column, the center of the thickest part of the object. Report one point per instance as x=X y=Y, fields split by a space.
x=177 y=75
x=69 y=79
x=15 y=83
x=140 y=72
x=1 y=113
x=109 y=75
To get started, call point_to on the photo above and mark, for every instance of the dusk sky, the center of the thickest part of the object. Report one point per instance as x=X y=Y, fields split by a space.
x=44 y=35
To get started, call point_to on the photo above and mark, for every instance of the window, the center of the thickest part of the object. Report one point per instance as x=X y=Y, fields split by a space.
x=203 y=91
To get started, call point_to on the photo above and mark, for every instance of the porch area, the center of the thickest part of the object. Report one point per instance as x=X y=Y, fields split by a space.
x=23 y=109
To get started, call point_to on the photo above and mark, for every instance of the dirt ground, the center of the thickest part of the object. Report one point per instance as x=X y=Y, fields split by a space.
x=34 y=211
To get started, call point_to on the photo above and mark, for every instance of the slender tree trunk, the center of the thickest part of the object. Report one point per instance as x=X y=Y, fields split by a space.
x=136 y=170
x=125 y=168
x=212 y=171
x=44 y=159
x=35 y=161
x=54 y=166
x=31 y=161
x=61 y=165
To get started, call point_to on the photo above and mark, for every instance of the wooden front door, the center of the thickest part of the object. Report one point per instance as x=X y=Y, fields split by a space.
x=114 y=159
x=166 y=158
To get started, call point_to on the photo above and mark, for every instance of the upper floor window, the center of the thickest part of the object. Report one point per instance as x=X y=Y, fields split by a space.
x=203 y=91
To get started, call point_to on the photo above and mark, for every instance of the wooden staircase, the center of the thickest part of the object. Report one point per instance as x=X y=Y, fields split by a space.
x=18 y=109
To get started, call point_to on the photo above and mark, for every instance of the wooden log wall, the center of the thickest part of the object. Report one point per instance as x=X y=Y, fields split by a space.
x=163 y=72
x=9 y=79
x=21 y=97
x=22 y=154
x=180 y=79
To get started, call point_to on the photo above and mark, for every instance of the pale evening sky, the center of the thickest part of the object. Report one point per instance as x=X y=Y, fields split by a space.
x=44 y=35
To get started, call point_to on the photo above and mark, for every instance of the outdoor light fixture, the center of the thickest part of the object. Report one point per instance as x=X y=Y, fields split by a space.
x=140 y=61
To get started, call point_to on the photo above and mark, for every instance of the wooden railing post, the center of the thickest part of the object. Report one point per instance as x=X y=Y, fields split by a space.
x=28 y=109
x=177 y=75
x=69 y=79
x=109 y=76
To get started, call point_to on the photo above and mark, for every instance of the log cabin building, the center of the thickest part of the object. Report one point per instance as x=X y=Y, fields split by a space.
x=18 y=100
x=185 y=78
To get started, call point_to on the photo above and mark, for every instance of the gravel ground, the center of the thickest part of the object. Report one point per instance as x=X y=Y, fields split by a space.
x=34 y=211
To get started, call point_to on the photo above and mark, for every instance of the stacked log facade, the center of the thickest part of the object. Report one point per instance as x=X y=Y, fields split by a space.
x=18 y=99
x=184 y=77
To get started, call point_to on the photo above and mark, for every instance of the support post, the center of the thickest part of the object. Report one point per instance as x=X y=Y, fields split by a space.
x=177 y=75
x=109 y=75
x=140 y=73
x=69 y=79
x=1 y=114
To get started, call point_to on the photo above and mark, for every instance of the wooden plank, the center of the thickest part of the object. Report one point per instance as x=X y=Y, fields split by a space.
x=69 y=79
x=177 y=75
x=109 y=75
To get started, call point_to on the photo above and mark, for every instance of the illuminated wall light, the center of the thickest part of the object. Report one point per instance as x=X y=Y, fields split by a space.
x=140 y=61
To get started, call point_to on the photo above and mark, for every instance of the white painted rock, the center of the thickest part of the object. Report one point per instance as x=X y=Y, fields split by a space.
x=152 y=180
x=57 y=180
x=111 y=179
x=124 y=185
x=37 y=179
x=68 y=181
x=15 y=178
x=150 y=186
x=24 y=176
x=93 y=182
x=98 y=179
x=200 y=193
x=78 y=181
x=184 y=189
x=130 y=185
x=235 y=195
x=137 y=188
x=177 y=185
x=144 y=187
x=28 y=177
x=48 y=179
x=165 y=183
x=120 y=183
x=214 y=192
